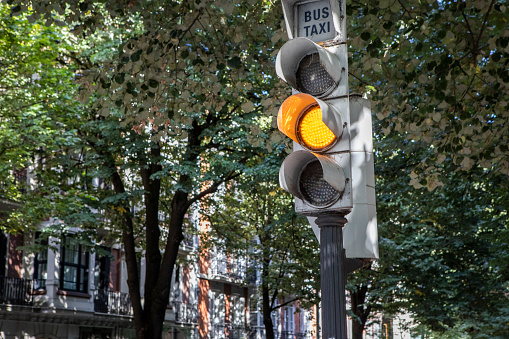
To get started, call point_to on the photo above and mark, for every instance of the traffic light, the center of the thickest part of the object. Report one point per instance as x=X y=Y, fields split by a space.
x=316 y=118
x=331 y=168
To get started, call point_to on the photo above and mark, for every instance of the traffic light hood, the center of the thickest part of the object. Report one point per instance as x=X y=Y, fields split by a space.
x=294 y=168
x=290 y=121
x=308 y=67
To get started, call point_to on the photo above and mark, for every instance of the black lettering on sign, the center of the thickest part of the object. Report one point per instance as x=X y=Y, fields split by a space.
x=307 y=16
x=316 y=14
x=322 y=27
x=319 y=27
x=325 y=12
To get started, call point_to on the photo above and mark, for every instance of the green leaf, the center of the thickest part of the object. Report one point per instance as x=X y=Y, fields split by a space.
x=234 y=62
x=120 y=78
x=153 y=83
x=365 y=35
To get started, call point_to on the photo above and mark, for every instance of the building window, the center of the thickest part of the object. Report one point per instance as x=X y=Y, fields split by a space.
x=41 y=262
x=102 y=269
x=74 y=266
x=41 y=265
x=289 y=319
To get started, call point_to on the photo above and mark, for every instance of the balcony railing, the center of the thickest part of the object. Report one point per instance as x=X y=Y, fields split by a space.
x=224 y=331
x=185 y=312
x=16 y=291
x=259 y=333
x=227 y=267
x=111 y=302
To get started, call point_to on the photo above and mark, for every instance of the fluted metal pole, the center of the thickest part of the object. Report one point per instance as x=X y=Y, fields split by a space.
x=333 y=275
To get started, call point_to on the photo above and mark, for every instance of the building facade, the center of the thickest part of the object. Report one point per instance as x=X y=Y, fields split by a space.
x=67 y=290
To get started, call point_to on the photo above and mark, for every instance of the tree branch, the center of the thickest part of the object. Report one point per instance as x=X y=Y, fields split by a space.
x=469 y=28
x=484 y=23
x=212 y=188
x=284 y=304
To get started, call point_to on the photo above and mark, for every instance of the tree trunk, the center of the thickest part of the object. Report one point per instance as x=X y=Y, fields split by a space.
x=359 y=308
x=267 y=319
x=133 y=275
x=156 y=297
x=149 y=318
x=266 y=301
x=357 y=329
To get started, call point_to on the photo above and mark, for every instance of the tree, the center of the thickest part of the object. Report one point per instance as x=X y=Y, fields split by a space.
x=165 y=123
x=437 y=75
x=36 y=92
x=437 y=72
x=442 y=252
x=256 y=216
x=447 y=254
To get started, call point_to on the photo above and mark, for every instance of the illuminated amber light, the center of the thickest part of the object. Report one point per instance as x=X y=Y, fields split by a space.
x=313 y=132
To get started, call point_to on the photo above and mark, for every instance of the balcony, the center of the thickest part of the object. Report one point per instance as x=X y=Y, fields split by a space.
x=227 y=268
x=18 y=291
x=111 y=302
x=185 y=312
x=224 y=331
x=259 y=333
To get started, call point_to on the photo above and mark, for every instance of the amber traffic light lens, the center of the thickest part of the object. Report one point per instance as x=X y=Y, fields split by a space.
x=313 y=132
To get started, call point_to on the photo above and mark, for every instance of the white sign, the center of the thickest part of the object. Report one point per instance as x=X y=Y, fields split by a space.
x=314 y=20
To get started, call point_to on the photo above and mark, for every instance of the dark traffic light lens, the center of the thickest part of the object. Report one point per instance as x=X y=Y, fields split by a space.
x=312 y=78
x=315 y=190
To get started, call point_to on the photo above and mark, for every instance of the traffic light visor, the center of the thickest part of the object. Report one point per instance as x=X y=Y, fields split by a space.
x=308 y=67
x=310 y=122
x=317 y=179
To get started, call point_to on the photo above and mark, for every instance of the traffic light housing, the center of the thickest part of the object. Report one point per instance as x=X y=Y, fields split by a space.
x=331 y=167
x=316 y=118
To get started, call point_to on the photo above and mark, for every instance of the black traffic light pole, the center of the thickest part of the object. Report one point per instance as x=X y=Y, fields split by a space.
x=333 y=275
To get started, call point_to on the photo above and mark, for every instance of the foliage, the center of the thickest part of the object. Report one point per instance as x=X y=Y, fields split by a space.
x=256 y=216
x=437 y=71
x=172 y=99
x=36 y=103
x=203 y=56
x=443 y=253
